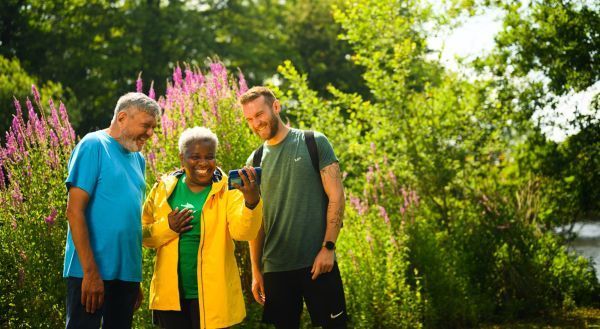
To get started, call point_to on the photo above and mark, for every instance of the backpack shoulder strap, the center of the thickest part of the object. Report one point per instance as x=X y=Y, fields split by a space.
x=311 y=144
x=257 y=158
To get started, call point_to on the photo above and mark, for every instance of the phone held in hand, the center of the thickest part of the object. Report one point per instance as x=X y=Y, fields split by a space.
x=234 y=177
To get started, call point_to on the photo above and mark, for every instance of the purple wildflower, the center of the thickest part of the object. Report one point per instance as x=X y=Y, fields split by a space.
x=67 y=129
x=393 y=178
x=189 y=80
x=17 y=196
x=242 y=83
x=139 y=84
x=151 y=93
x=373 y=147
x=384 y=214
x=54 y=120
x=36 y=94
x=177 y=77
x=52 y=217
x=11 y=146
x=18 y=108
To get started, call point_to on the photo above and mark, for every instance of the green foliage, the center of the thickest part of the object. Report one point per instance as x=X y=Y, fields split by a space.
x=16 y=83
x=557 y=37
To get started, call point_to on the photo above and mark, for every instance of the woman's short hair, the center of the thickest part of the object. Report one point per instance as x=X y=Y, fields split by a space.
x=194 y=135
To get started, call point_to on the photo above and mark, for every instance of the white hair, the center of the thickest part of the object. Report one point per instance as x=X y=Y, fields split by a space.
x=194 y=135
x=139 y=101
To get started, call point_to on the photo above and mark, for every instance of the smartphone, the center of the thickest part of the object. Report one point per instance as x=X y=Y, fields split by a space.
x=234 y=177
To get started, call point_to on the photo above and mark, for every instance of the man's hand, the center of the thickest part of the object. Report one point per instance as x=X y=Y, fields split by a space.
x=92 y=291
x=140 y=298
x=323 y=263
x=258 y=288
x=179 y=220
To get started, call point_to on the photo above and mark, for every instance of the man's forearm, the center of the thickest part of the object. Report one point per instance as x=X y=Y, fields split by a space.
x=335 y=215
x=331 y=177
x=256 y=248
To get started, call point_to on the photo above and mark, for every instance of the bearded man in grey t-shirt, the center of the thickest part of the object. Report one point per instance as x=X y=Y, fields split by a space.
x=293 y=257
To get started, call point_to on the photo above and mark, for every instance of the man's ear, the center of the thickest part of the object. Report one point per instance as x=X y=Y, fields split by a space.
x=122 y=116
x=181 y=159
x=276 y=106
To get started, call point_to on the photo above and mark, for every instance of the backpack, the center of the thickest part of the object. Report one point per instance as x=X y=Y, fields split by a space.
x=311 y=144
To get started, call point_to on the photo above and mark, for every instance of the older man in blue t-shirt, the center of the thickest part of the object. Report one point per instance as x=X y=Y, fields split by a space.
x=106 y=187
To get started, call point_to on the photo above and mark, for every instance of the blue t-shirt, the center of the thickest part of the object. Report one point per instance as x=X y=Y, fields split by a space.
x=114 y=180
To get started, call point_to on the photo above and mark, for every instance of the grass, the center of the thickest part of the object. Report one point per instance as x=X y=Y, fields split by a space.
x=579 y=318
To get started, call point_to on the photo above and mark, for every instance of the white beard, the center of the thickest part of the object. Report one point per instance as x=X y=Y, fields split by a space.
x=128 y=142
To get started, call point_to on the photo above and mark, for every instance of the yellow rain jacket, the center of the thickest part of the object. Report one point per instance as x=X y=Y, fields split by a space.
x=224 y=218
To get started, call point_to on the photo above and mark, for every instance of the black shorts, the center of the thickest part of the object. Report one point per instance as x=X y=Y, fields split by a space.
x=324 y=298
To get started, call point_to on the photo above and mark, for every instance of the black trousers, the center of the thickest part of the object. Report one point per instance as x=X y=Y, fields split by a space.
x=187 y=318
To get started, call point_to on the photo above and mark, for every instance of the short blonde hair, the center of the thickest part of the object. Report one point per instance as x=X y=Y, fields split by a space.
x=257 y=91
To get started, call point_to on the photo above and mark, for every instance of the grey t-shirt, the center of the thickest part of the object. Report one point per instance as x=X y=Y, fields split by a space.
x=295 y=204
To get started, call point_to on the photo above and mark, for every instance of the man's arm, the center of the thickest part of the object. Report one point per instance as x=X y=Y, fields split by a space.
x=256 y=247
x=332 y=184
x=92 y=286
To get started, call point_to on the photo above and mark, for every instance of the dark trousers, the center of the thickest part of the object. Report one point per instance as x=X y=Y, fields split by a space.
x=187 y=318
x=116 y=312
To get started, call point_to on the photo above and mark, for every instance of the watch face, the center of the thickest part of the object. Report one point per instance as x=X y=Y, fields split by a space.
x=329 y=245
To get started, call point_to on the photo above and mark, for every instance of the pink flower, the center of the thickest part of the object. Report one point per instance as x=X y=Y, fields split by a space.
x=151 y=93
x=242 y=83
x=139 y=84
x=36 y=94
x=18 y=108
x=52 y=217
x=384 y=214
x=393 y=178
x=17 y=196
x=177 y=77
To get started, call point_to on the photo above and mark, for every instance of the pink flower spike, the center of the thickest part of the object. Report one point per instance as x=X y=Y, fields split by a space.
x=36 y=94
x=151 y=93
x=177 y=77
x=242 y=83
x=384 y=214
x=18 y=108
x=139 y=84
x=51 y=218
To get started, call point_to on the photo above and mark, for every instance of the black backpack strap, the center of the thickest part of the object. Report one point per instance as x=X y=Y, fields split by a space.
x=311 y=144
x=257 y=159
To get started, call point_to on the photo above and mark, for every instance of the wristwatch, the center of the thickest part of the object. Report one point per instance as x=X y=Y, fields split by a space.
x=329 y=245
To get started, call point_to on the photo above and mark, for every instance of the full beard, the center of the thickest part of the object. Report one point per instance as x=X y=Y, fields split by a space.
x=273 y=128
x=128 y=142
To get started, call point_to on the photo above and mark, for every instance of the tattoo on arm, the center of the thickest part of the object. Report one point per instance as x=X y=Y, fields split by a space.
x=332 y=179
x=332 y=171
x=335 y=214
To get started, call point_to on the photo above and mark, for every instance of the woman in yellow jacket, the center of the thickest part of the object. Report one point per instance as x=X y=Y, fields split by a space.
x=191 y=218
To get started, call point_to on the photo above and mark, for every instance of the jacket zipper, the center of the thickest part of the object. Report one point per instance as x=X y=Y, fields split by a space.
x=203 y=232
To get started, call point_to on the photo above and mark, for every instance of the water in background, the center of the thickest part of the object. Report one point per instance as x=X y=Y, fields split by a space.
x=587 y=241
